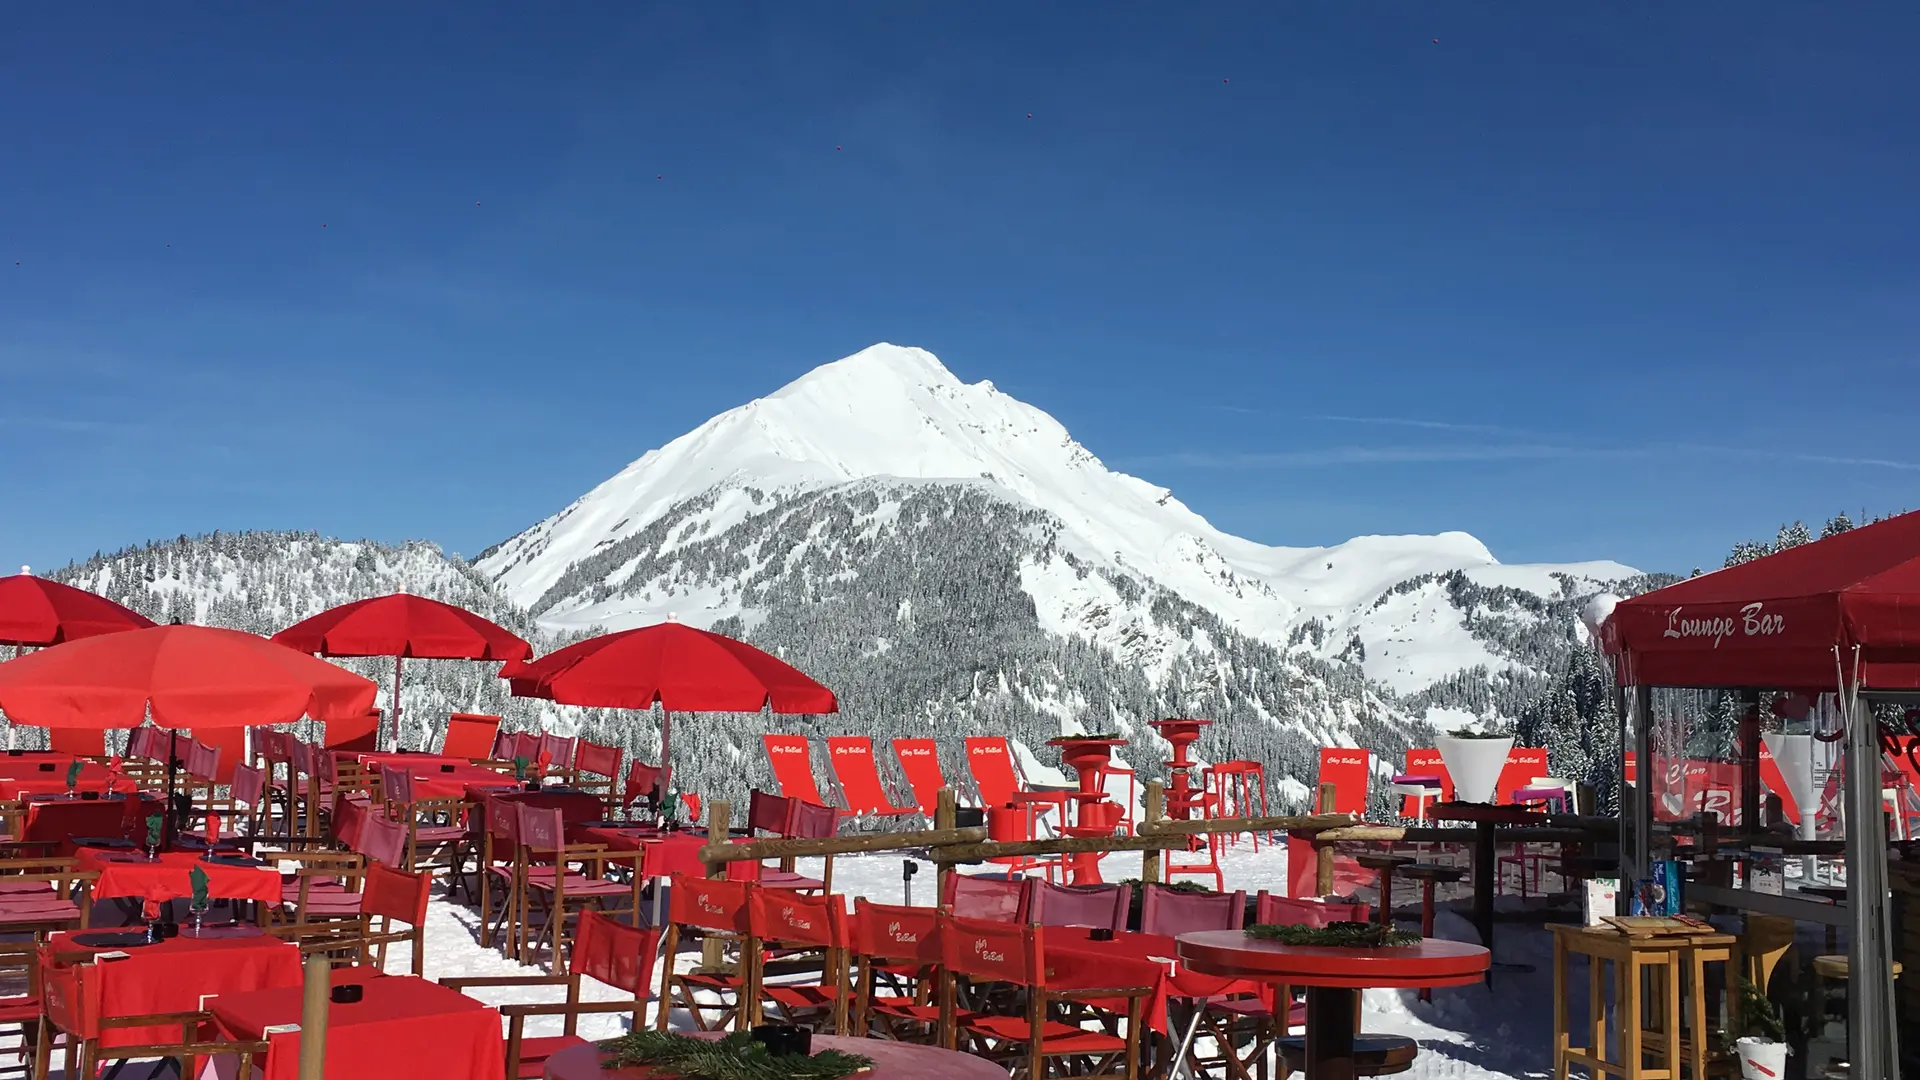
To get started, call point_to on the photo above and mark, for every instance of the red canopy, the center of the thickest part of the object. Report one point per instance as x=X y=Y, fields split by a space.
x=681 y=668
x=1778 y=621
x=190 y=676
x=35 y=612
x=404 y=625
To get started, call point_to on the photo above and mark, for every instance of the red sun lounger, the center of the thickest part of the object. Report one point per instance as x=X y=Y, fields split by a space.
x=792 y=767
x=920 y=760
x=851 y=757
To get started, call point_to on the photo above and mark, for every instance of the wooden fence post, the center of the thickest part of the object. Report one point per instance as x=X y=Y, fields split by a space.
x=943 y=818
x=719 y=823
x=1323 y=857
x=1154 y=808
x=314 y=1003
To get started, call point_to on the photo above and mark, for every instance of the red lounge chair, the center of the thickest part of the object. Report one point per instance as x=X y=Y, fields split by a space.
x=851 y=758
x=920 y=760
x=792 y=767
x=469 y=735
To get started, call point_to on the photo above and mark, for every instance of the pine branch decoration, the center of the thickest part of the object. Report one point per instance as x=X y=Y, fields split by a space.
x=736 y=1057
x=1344 y=935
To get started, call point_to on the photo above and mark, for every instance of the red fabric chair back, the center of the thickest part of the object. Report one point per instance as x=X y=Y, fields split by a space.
x=920 y=761
x=203 y=761
x=792 y=766
x=512 y=744
x=249 y=784
x=769 y=813
x=990 y=760
x=1172 y=912
x=301 y=755
x=279 y=747
x=892 y=932
x=559 y=750
x=395 y=894
x=642 y=778
x=70 y=995
x=230 y=746
x=541 y=829
x=1292 y=911
x=140 y=742
x=811 y=821
x=503 y=820
x=1100 y=906
x=598 y=760
x=790 y=918
x=80 y=742
x=382 y=839
x=396 y=785
x=990 y=949
x=469 y=735
x=360 y=735
x=709 y=903
x=614 y=953
x=978 y=897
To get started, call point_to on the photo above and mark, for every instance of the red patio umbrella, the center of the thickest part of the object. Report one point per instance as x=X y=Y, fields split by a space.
x=678 y=667
x=181 y=677
x=402 y=625
x=36 y=612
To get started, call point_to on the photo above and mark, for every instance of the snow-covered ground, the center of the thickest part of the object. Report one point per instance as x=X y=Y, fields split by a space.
x=1467 y=1033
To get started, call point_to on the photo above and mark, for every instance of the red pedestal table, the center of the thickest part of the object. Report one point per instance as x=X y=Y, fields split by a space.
x=1094 y=814
x=1332 y=976
x=1182 y=798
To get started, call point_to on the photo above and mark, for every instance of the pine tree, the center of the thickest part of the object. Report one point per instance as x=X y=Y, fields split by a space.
x=1792 y=536
x=1836 y=525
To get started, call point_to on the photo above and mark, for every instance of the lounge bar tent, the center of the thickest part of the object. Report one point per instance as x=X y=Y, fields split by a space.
x=1836 y=621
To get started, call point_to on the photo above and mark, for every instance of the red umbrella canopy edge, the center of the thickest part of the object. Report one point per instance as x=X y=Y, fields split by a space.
x=188 y=676
x=37 y=612
x=404 y=625
x=678 y=666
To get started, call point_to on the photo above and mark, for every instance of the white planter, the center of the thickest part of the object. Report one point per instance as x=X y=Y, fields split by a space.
x=1761 y=1059
x=1474 y=764
x=1793 y=754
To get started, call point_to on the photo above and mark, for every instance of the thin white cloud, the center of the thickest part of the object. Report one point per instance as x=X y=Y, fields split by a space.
x=1335 y=456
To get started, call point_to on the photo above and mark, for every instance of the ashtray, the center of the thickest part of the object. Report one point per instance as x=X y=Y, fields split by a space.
x=89 y=796
x=448 y=767
x=1100 y=933
x=46 y=766
x=784 y=1040
x=348 y=993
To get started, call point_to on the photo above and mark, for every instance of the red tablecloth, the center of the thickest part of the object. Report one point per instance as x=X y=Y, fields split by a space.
x=125 y=873
x=574 y=806
x=404 y=1027
x=173 y=975
x=1430 y=962
x=22 y=780
x=60 y=819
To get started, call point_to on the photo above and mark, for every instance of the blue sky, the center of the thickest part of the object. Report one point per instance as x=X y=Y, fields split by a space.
x=1627 y=282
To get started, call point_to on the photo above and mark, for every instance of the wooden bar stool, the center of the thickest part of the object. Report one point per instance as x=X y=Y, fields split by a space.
x=1633 y=959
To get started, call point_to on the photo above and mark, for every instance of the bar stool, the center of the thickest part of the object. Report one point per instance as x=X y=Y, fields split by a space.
x=1386 y=864
x=1429 y=875
x=1234 y=784
x=1373 y=1054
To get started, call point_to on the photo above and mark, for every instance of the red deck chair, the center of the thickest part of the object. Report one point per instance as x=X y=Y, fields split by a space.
x=717 y=908
x=358 y=735
x=800 y=925
x=792 y=766
x=898 y=949
x=469 y=735
x=997 y=779
x=79 y=742
x=851 y=758
x=920 y=760
x=986 y=950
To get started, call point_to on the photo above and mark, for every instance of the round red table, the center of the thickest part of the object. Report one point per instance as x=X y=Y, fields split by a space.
x=891 y=1061
x=1332 y=976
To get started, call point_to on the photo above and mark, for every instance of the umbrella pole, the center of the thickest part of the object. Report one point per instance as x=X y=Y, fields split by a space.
x=397 y=661
x=166 y=805
x=666 y=761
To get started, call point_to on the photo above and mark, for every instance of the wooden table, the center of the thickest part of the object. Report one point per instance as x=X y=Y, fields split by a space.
x=1633 y=958
x=1333 y=977
x=891 y=1061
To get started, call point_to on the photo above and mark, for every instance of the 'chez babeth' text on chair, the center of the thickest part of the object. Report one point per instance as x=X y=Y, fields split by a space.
x=713 y=908
x=792 y=765
x=794 y=930
x=920 y=763
x=1102 y=907
x=470 y=736
x=898 y=952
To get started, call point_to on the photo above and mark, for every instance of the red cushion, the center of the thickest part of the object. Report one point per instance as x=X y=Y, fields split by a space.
x=1055 y=1038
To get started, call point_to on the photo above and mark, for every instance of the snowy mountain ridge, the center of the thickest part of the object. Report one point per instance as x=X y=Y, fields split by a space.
x=898 y=413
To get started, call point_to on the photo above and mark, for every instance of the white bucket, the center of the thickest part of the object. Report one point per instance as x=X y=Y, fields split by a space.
x=1761 y=1059
x=1474 y=764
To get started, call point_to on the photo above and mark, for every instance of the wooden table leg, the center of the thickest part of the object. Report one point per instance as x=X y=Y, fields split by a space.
x=1597 y=1006
x=1671 y=1019
x=1561 y=1038
x=1627 y=1015
x=1330 y=1030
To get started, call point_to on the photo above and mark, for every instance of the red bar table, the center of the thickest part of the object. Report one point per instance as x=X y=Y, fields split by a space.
x=891 y=1061
x=1332 y=975
x=1088 y=758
